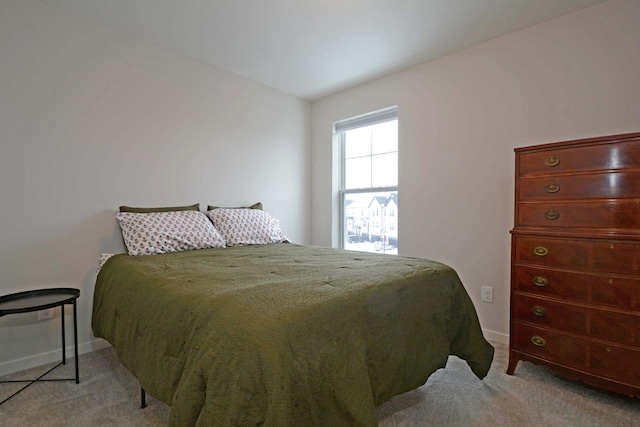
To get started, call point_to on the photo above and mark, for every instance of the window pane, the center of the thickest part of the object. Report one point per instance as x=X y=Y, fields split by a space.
x=357 y=142
x=385 y=137
x=370 y=222
x=357 y=173
x=385 y=170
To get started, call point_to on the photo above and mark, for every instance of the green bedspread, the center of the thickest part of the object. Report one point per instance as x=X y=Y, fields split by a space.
x=282 y=334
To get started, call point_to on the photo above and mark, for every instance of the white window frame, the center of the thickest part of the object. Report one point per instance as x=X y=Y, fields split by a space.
x=339 y=128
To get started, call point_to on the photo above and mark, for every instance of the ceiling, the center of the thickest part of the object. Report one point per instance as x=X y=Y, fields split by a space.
x=312 y=48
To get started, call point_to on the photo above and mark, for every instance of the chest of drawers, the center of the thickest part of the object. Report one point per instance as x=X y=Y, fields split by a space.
x=575 y=261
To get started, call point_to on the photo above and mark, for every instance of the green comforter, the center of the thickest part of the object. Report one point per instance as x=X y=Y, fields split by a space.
x=282 y=334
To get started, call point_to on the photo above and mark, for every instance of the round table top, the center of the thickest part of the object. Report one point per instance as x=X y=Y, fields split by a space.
x=39 y=299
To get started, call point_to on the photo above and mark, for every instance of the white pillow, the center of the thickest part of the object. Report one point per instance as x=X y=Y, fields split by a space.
x=246 y=226
x=163 y=232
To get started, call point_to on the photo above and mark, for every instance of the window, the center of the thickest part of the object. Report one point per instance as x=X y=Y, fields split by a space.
x=369 y=181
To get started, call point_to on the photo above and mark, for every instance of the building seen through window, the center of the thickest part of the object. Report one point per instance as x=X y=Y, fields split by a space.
x=369 y=223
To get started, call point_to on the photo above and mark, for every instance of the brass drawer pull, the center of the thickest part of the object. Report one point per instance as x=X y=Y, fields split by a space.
x=552 y=215
x=552 y=188
x=540 y=281
x=552 y=161
x=540 y=250
x=538 y=311
x=537 y=340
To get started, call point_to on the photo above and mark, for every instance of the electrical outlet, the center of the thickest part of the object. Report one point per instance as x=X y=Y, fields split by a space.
x=45 y=314
x=487 y=294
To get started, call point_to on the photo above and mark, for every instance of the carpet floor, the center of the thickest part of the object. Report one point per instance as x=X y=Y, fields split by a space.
x=108 y=395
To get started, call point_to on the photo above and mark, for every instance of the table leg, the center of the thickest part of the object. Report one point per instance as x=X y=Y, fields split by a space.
x=64 y=346
x=75 y=338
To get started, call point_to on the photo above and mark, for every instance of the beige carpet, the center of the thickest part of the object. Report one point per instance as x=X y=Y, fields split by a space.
x=109 y=396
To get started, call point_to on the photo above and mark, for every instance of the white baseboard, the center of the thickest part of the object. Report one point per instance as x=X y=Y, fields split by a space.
x=50 y=356
x=496 y=336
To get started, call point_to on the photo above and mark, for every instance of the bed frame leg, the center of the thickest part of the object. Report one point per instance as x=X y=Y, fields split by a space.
x=143 y=398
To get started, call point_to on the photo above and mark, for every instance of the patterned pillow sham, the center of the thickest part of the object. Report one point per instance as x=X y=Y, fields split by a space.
x=246 y=226
x=162 y=232
x=103 y=258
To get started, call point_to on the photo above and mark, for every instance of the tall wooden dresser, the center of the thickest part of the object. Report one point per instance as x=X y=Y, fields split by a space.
x=575 y=260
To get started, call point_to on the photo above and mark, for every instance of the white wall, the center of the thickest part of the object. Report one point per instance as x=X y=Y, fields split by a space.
x=91 y=119
x=461 y=116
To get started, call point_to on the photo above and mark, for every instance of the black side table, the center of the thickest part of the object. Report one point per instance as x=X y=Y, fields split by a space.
x=41 y=299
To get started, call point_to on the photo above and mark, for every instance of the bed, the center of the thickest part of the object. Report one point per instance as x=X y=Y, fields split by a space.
x=283 y=334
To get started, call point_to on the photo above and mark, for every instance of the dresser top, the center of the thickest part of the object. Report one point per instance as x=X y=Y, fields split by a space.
x=581 y=142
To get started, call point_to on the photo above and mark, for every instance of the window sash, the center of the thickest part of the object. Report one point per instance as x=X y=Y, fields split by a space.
x=343 y=212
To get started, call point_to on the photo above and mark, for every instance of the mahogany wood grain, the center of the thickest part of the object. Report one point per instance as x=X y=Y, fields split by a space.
x=614 y=326
x=573 y=318
x=604 y=256
x=603 y=365
x=613 y=185
x=557 y=346
x=612 y=156
x=595 y=288
x=575 y=275
x=615 y=362
x=583 y=214
x=610 y=325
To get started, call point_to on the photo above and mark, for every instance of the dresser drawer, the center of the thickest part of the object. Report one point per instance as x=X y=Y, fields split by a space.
x=620 y=155
x=614 y=185
x=550 y=345
x=607 y=325
x=553 y=314
x=618 y=215
x=621 y=328
x=610 y=361
x=615 y=362
x=588 y=255
x=601 y=289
